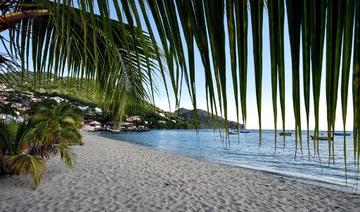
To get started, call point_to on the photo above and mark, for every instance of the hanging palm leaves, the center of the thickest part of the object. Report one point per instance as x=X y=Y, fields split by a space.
x=58 y=37
x=71 y=38
x=294 y=21
x=256 y=8
x=276 y=31
x=346 y=57
x=306 y=48
x=232 y=44
x=356 y=84
x=242 y=34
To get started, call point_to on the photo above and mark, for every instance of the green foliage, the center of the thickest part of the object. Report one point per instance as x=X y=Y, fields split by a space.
x=50 y=129
x=294 y=15
x=206 y=120
x=23 y=163
x=257 y=9
x=60 y=41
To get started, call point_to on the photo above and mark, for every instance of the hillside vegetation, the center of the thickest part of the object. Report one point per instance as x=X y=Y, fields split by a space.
x=206 y=119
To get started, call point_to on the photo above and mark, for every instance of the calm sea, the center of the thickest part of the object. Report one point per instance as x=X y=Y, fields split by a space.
x=297 y=161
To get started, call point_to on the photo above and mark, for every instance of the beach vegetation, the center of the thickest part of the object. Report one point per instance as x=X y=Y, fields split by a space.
x=50 y=130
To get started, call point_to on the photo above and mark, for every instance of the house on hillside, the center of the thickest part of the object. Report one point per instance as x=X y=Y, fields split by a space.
x=128 y=126
x=2 y=118
x=162 y=115
x=93 y=126
x=57 y=99
x=98 y=110
x=133 y=118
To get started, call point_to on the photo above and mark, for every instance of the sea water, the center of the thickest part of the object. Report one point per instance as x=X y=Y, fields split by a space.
x=272 y=154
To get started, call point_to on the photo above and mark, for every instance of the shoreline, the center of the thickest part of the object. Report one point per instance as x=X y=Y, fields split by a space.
x=307 y=180
x=116 y=175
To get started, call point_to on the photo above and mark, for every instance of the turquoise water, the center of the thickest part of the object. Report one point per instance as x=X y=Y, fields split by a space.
x=247 y=152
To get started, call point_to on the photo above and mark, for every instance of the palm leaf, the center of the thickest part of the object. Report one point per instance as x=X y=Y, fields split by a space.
x=333 y=46
x=241 y=30
x=24 y=164
x=347 y=48
x=356 y=85
x=66 y=155
x=306 y=47
x=256 y=8
x=232 y=44
x=294 y=21
x=318 y=12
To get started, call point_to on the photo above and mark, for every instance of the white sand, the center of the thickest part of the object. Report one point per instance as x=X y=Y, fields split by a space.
x=116 y=176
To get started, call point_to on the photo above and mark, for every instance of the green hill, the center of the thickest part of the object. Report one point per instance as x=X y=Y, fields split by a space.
x=206 y=119
x=83 y=96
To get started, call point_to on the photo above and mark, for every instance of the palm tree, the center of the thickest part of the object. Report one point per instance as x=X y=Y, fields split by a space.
x=13 y=139
x=93 y=46
x=57 y=129
x=24 y=147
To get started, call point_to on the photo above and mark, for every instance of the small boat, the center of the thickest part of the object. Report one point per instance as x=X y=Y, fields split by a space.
x=321 y=138
x=143 y=129
x=236 y=132
x=285 y=133
x=341 y=134
x=114 y=130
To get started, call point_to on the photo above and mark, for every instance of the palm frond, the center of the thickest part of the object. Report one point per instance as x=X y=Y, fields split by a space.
x=56 y=47
x=346 y=60
x=66 y=155
x=256 y=8
x=318 y=12
x=24 y=164
x=356 y=85
x=306 y=47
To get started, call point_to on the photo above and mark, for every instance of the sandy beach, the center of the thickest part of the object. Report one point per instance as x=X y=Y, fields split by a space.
x=116 y=176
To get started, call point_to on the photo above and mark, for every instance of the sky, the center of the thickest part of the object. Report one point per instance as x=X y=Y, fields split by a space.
x=267 y=110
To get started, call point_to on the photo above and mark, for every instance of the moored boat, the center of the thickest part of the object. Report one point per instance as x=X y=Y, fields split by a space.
x=342 y=134
x=321 y=138
x=114 y=130
x=285 y=133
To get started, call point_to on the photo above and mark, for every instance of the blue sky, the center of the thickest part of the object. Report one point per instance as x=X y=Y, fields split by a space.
x=267 y=111
x=267 y=114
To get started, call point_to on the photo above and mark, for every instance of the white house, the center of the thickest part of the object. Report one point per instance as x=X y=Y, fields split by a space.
x=133 y=118
x=93 y=126
x=98 y=110
x=57 y=99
